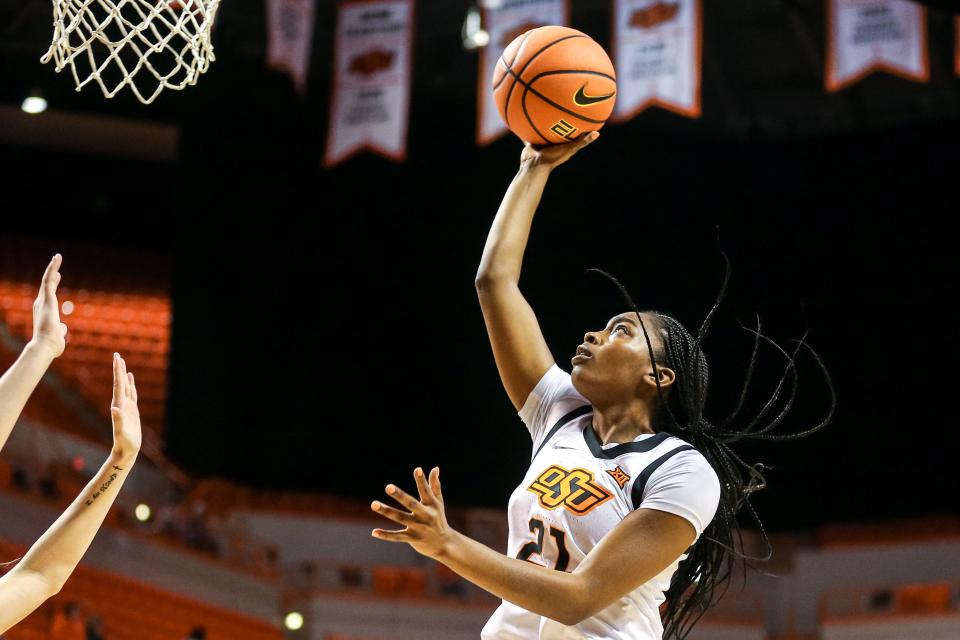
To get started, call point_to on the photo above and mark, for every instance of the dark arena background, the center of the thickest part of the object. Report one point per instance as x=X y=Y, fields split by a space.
x=309 y=334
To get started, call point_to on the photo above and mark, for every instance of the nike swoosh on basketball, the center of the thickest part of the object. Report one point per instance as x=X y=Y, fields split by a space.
x=584 y=100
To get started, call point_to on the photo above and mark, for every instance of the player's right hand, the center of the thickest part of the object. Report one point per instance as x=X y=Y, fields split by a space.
x=554 y=155
x=127 y=436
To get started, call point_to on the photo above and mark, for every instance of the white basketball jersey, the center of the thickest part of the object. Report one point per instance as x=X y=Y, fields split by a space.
x=577 y=490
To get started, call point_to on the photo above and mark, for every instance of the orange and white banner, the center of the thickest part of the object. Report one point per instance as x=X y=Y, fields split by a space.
x=290 y=37
x=657 y=47
x=371 y=87
x=869 y=35
x=509 y=19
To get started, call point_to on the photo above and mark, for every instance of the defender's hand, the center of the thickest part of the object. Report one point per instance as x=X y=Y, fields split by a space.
x=48 y=331
x=124 y=412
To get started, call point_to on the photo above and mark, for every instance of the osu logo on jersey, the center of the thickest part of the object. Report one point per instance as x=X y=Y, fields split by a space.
x=574 y=490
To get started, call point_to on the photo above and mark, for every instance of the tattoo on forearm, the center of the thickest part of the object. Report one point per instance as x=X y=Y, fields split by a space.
x=103 y=488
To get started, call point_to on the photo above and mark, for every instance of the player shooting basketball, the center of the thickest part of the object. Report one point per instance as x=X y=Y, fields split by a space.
x=42 y=572
x=631 y=496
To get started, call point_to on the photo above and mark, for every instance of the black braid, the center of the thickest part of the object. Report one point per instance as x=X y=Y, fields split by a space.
x=704 y=575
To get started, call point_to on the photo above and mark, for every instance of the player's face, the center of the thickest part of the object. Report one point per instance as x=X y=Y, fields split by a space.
x=611 y=365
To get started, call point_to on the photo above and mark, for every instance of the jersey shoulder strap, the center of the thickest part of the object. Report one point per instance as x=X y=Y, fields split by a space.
x=640 y=483
x=573 y=415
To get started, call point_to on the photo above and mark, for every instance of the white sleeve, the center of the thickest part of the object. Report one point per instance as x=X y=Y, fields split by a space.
x=685 y=485
x=552 y=398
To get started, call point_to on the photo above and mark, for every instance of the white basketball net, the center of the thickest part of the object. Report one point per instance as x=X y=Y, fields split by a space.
x=161 y=43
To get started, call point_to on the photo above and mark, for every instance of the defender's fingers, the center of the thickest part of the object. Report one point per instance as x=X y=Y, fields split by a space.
x=131 y=388
x=123 y=371
x=118 y=379
x=51 y=276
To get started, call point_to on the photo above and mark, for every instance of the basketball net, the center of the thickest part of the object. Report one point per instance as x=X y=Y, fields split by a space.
x=148 y=45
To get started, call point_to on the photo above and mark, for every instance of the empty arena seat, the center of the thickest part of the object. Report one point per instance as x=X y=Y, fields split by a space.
x=398 y=581
x=387 y=581
x=923 y=598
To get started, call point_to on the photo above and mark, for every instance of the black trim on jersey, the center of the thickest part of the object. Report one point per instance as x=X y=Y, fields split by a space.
x=573 y=415
x=593 y=441
x=636 y=494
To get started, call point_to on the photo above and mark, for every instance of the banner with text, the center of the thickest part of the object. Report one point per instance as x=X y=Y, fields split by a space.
x=956 y=45
x=657 y=49
x=870 y=35
x=372 y=71
x=290 y=37
x=510 y=18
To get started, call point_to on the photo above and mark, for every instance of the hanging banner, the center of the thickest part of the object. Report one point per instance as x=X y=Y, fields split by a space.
x=869 y=35
x=956 y=45
x=290 y=37
x=657 y=51
x=504 y=20
x=371 y=88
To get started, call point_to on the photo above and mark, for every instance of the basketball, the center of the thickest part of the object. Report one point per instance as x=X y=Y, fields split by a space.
x=554 y=84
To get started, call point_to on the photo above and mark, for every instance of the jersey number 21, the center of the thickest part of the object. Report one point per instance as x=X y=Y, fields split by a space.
x=527 y=550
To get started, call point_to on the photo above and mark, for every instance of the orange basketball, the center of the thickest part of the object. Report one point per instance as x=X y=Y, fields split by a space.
x=554 y=84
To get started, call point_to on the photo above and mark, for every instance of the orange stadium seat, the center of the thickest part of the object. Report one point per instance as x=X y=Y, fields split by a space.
x=399 y=581
x=416 y=582
x=387 y=581
x=923 y=598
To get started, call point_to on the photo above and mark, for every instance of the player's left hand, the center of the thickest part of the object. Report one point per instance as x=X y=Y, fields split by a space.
x=48 y=331
x=425 y=523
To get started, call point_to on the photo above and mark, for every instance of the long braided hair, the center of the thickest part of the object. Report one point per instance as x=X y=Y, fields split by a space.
x=704 y=575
